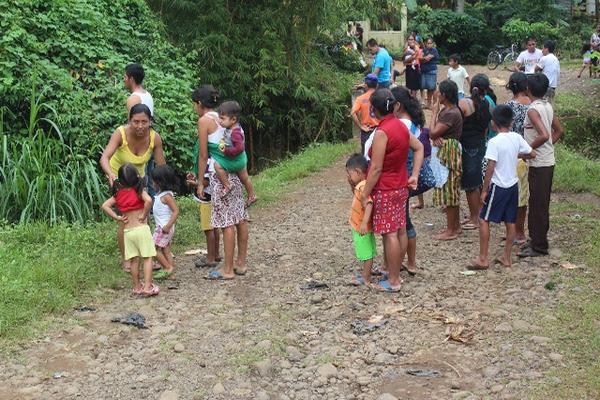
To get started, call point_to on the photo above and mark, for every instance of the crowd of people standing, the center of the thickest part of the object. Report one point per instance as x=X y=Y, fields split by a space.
x=501 y=156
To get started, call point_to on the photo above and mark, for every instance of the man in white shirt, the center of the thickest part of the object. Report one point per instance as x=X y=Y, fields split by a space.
x=595 y=39
x=550 y=66
x=134 y=76
x=528 y=58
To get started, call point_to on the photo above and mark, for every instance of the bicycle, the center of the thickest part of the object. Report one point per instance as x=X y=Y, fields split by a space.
x=502 y=55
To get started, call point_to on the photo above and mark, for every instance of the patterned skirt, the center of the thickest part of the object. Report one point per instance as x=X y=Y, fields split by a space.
x=230 y=209
x=450 y=155
x=389 y=210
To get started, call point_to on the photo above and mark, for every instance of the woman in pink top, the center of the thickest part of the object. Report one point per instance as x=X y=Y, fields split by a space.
x=388 y=182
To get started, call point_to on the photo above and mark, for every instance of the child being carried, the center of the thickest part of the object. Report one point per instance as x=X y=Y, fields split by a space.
x=231 y=155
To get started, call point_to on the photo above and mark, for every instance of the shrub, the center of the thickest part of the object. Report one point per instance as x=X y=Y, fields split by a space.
x=517 y=30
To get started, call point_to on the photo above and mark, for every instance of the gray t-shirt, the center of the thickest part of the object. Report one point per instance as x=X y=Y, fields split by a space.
x=545 y=153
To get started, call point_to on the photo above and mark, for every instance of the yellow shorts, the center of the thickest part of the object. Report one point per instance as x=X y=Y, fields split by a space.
x=522 y=172
x=205 y=211
x=139 y=243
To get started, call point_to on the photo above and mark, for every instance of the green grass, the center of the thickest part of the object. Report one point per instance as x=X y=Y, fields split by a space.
x=576 y=173
x=45 y=271
x=576 y=331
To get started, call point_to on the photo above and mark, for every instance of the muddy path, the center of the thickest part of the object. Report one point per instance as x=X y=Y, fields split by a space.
x=263 y=337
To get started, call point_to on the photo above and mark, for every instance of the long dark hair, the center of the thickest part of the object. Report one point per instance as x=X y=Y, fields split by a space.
x=128 y=177
x=164 y=177
x=480 y=86
x=383 y=101
x=450 y=91
x=206 y=95
x=517 y=83
x=411 y=104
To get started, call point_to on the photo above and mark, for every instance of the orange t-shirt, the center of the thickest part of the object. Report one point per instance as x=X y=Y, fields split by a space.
x=358 y=212
x=362 y=107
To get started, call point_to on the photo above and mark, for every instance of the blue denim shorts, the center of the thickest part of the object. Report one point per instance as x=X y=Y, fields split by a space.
x=429 y=80
x=472 y=176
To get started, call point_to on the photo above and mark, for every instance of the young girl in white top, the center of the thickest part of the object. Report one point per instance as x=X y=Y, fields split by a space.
x=165 y=213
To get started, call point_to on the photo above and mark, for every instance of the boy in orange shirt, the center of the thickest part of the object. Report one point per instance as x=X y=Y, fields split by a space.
x=361 y=111
x=360 y=218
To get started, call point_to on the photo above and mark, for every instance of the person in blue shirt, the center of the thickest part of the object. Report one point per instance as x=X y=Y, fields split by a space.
x=429 y=63
x=382 y=64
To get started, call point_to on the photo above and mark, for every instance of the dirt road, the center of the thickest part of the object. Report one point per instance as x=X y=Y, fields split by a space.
x=262 y=336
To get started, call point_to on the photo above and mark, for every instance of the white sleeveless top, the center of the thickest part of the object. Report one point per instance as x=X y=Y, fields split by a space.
x=545 y=153
x=162 y=212
x=214 y=137
x=146 y=99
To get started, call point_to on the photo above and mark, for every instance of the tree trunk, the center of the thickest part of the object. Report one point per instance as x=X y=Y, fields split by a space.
x=460 y=6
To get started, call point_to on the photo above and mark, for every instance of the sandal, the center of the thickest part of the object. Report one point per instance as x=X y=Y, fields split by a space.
x=385 y=286
x=216 y=275
x=530 y=252
x=138 y=291
x=154 y=291
x=358 y=280
x=240 y=271
x=469 y=226
x=474 y=266
x=161 y=275
x=410 y=272
x=202 y=263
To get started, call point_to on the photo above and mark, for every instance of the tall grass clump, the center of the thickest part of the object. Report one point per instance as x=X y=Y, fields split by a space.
x=41 y=178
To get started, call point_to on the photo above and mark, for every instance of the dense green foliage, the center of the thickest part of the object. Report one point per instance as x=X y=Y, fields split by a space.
x=268 y=57
x=581 y=122
x=487 y=23
x=76 y=52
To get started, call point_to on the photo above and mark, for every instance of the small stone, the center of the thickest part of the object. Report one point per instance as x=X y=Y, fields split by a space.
x=293 y=353
x=363 y=380
x=316 y=299
x=218 y=388
x=491 y=372
x=503 y=327
x=387 y=396
x=384 y=359
x=455 y=385
x=521 y=325
x=169 y=395
x=264 y=345
x=540 y=339
x=178 y=348
x=262 y=395
x=497 y=388
x=556 y=357
x=327 y=371
x=263 y=368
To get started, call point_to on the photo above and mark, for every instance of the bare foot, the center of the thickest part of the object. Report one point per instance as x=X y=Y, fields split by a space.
x=446 y=235
x=502 y=261
x=417 y=206
x=478 y=265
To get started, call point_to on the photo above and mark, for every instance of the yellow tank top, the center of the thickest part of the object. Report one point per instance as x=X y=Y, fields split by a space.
x=124 y=155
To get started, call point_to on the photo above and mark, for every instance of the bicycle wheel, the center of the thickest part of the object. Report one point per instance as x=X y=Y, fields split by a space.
x=509 y=61
x=493 y=59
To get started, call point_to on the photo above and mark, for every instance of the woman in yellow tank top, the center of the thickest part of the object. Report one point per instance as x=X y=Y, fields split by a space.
x=133 y=143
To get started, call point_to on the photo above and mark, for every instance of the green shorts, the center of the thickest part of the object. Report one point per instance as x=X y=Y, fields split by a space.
x=139 y=243
x=364 y=245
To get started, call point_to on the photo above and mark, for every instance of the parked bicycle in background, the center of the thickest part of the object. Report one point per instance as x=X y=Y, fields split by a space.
x=502 y=55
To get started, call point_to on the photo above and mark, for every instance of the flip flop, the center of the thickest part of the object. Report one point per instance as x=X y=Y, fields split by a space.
x=202 y=263
x=154 y=291
x=240 y=271
x=161 y=275
x=405 y=268
x=469 y=227
x=216 y=275
x=384 y=286
x=358 y=280
x=138 y=291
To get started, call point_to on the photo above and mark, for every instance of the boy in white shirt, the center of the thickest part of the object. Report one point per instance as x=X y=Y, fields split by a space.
x=457 y=74
x=500 y=193
x=550 y=66
x=529 y=58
